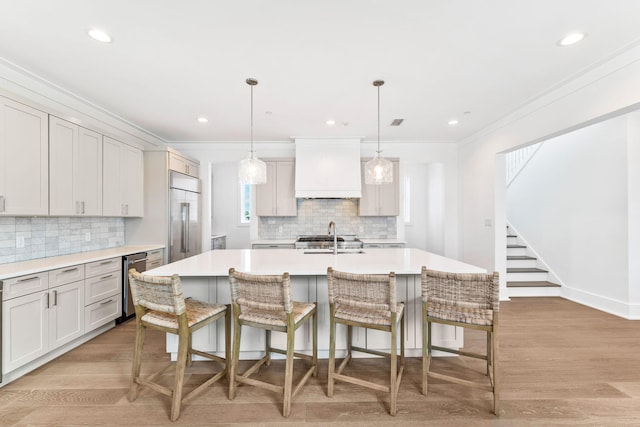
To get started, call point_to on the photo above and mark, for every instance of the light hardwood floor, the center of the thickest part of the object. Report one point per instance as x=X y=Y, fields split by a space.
x=561 y=364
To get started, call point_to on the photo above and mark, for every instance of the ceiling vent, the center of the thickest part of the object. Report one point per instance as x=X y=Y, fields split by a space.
x=397 y=122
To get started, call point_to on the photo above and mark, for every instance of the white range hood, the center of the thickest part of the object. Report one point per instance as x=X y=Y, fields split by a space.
x=328 y=168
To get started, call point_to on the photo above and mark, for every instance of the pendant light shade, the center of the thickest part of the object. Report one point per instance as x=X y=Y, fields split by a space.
x=378 y=170
x=252 y=170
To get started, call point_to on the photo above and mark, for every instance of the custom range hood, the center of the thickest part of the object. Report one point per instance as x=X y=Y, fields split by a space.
x=328 y=168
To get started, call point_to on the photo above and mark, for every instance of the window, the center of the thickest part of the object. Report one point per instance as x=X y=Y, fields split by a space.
x=245 y=203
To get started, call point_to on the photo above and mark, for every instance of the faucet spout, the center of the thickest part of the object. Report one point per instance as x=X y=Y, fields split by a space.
x=332 y=225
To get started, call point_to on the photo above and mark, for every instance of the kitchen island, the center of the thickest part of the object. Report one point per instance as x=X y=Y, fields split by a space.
x=205 y=277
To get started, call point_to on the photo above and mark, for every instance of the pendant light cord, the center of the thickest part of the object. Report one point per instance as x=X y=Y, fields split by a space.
x=251 y=121
x=378 y=121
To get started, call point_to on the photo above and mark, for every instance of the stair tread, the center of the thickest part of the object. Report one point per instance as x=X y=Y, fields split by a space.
x=516 y=246
x=526 y=270
x=530 y=284
x=512 y=235
x=520 y=257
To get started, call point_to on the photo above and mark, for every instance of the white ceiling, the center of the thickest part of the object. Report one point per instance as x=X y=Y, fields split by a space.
x=173 y=60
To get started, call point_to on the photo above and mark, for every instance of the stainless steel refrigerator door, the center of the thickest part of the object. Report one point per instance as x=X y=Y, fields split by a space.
x=177 y=250
x=193 y=224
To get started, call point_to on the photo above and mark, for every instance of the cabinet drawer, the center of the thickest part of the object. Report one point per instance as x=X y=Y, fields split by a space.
x=151 y=264
x=101 y=287
x=62 y=276
x=24 y=285
x=155 y=255
x=100 y=313
x=105 y=266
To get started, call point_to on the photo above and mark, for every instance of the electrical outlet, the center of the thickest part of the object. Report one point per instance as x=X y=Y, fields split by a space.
x=87 y=236
x=20 y=242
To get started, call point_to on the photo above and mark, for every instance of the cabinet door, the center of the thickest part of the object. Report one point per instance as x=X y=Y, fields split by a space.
x=24 y=160
x=285 y=189
x=66 y=313
x=132 y=186
x=89 y=172
x=369 y=197
x=183 y=165
x=63 y=158
x=111 y=173
x=266 y=193
x=25 y=326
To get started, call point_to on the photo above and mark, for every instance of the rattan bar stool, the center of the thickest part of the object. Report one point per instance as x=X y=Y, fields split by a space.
x=264 y=302
x=367 y=301
x=467 y=300
x=160 y=305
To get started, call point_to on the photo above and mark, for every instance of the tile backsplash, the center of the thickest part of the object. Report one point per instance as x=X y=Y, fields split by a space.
x=25 y=238
x=314 y=216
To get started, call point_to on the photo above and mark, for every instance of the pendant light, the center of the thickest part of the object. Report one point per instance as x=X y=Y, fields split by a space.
x=252 y=170
x=378 y=170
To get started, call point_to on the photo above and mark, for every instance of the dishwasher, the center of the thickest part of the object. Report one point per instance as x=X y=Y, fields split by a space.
x=139 y=262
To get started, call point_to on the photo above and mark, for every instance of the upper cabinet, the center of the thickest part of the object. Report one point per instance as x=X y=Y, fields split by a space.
x=381 y=200
x=277 y=197
x=75 y=169
x=184 y=165
x=24 y=160
x=122 y=169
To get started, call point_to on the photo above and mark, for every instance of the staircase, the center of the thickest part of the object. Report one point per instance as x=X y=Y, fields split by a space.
x=526 y=275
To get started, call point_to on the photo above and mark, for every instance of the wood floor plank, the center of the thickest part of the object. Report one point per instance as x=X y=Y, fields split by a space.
x=561 y=364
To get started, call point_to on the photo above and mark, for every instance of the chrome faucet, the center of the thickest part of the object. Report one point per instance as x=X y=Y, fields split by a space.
x=335 y=236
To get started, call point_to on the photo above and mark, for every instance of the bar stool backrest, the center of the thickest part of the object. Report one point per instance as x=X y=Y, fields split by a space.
x=263 y=292
x=368 y=291
x=157 y=293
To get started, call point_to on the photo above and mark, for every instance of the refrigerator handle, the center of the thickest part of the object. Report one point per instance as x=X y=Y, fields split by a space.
x=187 y=230
x=184 y=218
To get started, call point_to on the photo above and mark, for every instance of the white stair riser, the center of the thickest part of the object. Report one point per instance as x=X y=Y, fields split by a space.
x=516 y=251
x=534 y=292
x=521 y=263
x=512 y=240
x=527 y=277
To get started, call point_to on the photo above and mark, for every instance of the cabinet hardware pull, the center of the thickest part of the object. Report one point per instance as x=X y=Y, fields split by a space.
x=106 y=302
x=69 y=270
x=28 y=279
x=47 y=299
x=83 y=207
x=106 y=277
x=2 y=207
x=106 y=262
x=55 y=298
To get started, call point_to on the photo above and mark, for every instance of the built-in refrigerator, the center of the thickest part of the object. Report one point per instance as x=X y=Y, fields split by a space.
x=184 y=223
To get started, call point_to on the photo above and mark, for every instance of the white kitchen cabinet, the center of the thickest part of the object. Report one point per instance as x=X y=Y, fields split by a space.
x=381 y=200
x=122 y=179
x=75 y=169
x=39 y=322
x=383 y=245
x=273 y=246
x=24 y=160
x=103 y=293
x=277 y=197
x=184 y=165
x=155 y=258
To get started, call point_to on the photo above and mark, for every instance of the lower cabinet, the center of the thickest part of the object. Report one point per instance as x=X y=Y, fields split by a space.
x=37 y=323
x=46 y=310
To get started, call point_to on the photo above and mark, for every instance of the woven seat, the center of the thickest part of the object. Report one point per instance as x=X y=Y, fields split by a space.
x=264 y=302
x=367 y=301
x=160 y=304
x=465 y=300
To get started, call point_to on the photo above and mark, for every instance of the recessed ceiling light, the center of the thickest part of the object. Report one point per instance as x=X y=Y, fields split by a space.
x=99 y=35
x=330 y=122
x=203 y=119
x=453 y=122
x=570 y=39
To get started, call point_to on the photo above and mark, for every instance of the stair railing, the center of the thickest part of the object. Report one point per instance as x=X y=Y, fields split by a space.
x=517 y=160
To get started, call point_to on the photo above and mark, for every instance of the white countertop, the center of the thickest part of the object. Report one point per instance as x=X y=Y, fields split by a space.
x=51 y=263
x=297 y=263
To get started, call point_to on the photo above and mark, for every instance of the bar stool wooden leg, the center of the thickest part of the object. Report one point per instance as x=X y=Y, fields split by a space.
x=237 y=331
x=183 y=352
x=332 y=353
x=137 y=361
x=288 y=372
x=315 y=342
x=394 y=375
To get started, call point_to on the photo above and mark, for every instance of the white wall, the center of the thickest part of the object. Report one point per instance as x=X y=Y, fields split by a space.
x=610 y=89
x=570 y=204
x=633 y=217
x=225 y=206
